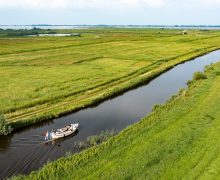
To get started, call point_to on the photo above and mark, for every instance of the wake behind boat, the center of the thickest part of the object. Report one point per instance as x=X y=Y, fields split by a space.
x=60 y=133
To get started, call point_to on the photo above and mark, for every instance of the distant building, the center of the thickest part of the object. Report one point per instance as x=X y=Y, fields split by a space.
x=184 y=32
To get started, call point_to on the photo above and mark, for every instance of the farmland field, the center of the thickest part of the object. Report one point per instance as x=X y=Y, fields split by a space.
x=178 y=140
x=43 y=77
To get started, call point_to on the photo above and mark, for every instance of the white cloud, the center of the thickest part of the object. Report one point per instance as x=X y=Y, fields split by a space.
x=155 y=3
x=79 y=4
x=85 y=4
x=212 y=1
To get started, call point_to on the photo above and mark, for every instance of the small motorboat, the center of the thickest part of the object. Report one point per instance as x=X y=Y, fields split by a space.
x=60 y=133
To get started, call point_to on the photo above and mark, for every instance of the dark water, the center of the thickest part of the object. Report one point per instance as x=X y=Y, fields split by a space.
x=22 y=152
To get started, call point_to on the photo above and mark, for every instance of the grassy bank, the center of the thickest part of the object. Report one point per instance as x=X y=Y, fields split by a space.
x=44 y=77
x=179 y=140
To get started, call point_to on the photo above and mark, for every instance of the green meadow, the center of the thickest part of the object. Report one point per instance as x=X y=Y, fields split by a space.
x=44 y=77
x=178 y=140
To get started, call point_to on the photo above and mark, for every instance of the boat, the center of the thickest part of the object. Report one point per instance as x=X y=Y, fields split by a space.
x=60 y=133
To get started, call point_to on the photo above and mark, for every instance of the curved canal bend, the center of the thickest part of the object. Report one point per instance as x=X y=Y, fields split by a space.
x=23 y=152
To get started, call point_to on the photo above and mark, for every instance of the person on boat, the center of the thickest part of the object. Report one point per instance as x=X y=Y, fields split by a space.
x=46 y=136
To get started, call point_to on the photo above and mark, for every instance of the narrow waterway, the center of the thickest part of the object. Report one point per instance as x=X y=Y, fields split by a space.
x=23 y=151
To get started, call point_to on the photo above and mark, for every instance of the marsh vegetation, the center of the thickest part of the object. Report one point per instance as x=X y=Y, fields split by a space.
x=44 y=77
x=179 y=139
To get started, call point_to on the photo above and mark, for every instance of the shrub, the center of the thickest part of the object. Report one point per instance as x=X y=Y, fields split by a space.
x=217 y=73
x=189 y=82
x=94 y=140
x=4 y=128
x=199 y=75
x=157 y=106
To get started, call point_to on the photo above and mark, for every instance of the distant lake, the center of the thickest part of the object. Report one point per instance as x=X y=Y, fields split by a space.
x=57 y=35
x=103 y=26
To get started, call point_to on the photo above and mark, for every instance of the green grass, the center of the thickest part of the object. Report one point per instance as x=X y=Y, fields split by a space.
x=179 y=140
x=44 y=77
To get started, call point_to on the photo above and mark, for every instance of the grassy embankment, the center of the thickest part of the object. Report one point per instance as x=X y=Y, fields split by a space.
x=43 y=77
x=179 y=140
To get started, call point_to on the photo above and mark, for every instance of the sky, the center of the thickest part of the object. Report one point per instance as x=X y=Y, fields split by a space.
x=112 y=12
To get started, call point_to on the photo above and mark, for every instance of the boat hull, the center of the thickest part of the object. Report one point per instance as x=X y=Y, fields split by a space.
x=60 y=133
x=57 y=136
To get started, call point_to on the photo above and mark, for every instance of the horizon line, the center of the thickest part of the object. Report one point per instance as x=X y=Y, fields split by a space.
x=159 y=25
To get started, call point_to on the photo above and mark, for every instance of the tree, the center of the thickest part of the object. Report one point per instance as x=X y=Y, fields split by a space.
x=4 y=128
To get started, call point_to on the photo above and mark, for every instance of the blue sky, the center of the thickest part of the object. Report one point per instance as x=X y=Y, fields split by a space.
x=166 y=12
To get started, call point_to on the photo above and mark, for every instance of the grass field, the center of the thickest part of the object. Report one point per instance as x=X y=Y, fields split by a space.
x=179 y=140
x=43 y=77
